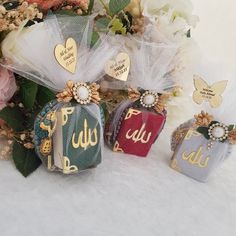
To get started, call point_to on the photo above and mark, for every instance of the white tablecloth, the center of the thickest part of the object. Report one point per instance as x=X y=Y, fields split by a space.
x=127 y=195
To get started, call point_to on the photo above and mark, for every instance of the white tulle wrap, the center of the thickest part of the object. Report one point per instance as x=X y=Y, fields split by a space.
x=30 y=51
x=151 y=64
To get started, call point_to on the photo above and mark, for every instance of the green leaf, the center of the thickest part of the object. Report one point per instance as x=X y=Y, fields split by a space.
x=90 y=7
x=118 y=27
x=105 y=111
x=44 y=96
x=203 y=131
x=26 y=160
x=188 y=33
x=28 y=92
x=116 y=6
x=10 y=5
x=231 y=127
x=13 y=117
x=95 y=39
x=102 y=23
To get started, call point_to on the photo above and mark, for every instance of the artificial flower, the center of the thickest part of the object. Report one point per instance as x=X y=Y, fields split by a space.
x=11 y=19
x=7 y=86
x=46 y=5
x=180 y=9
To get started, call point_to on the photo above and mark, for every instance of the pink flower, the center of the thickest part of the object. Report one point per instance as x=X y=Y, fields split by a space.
x=48 y=4
x=7 y=86
x=81 y=3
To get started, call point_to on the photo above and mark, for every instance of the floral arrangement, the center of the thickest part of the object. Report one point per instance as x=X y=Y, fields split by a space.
x=21 y=100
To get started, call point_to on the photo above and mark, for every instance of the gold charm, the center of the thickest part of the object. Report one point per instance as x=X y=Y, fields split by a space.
x=119 y=68
x=46 y=146
x=66 y=55
x=211 y=94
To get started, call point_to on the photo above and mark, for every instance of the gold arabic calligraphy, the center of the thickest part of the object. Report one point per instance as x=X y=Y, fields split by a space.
x=139 y=135
x=196 y=158
x=86 y=138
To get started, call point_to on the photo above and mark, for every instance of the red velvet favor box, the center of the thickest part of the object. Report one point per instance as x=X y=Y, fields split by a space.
x=138 y=131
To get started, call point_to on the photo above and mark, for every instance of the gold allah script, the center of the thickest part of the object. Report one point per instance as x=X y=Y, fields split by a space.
x=211 y=94
x=119 y=68
x=66 y=55
x=139 y=135
x=86 y=137
x=196 y=158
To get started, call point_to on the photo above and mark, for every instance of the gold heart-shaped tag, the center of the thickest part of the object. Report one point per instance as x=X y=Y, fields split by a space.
x=66 y=55
x=119 y=68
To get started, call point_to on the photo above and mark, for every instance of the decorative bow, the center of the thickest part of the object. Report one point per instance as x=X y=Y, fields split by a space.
x=83 y=93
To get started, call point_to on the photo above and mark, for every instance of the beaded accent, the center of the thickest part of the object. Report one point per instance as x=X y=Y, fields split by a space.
x=218 y=127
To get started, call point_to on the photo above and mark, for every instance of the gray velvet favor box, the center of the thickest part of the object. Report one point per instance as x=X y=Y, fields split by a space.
x=192 y=156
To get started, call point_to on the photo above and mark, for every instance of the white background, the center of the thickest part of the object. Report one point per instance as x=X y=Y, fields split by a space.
x=216 y=32
x=126 y=195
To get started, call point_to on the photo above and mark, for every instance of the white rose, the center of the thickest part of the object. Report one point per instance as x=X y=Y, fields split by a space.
x=180 y=8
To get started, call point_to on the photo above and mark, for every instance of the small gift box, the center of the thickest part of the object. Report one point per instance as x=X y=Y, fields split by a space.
x=199 y=146
x=69 y=138
x=136 y=123
x=135 y=126
x=138 y=131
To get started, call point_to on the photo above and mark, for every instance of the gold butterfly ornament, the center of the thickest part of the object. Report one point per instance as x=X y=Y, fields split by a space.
x=206 y=93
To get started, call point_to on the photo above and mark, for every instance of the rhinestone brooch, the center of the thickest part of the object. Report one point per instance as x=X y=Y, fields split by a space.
x=82 y=93
x=149 y=99
x=218 y=132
